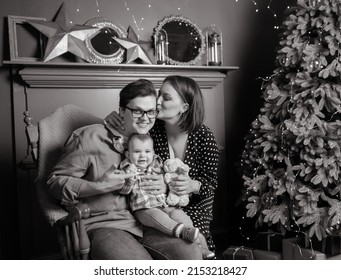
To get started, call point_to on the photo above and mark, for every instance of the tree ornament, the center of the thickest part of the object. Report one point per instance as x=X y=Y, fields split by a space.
x=334 y=230
x=283 y=61
x=314 y=65
x=315 y=4
x=269 y=199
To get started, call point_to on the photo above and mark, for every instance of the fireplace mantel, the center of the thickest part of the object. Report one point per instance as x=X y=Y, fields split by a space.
x=87 y=75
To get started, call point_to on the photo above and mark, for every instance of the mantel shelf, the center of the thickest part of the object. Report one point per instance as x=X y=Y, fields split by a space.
x=88 y=75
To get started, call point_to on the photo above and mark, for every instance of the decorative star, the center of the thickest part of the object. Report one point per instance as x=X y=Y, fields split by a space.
x=63 y=36
x=134 y=47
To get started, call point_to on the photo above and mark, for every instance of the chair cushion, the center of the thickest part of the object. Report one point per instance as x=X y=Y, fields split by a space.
x=54 y=130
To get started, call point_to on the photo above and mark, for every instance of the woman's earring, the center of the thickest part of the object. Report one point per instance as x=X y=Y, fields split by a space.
x=185 y=107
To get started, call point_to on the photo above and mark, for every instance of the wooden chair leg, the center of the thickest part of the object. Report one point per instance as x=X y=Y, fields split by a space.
x=62 y=242
x=84 y=242
x=75 y=241
x=68 y=242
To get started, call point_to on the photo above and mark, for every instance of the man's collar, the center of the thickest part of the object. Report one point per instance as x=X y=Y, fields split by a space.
x=113 y=131
x=119 y=141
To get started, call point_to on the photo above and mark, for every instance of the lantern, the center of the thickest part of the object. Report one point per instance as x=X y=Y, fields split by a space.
x=161 y=47
x=214 y=46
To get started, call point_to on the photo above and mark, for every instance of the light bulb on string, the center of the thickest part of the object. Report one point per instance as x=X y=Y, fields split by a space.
x=286 y=3
x=183 y=5
x=78 y=9
x=97 y=6
x=125 y=3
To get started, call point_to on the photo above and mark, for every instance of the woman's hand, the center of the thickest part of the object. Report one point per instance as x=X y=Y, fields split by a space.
x=115 y=120
x=183 y=184
x=154 y=184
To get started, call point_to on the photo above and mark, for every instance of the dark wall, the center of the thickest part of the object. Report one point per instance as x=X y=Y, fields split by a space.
x=257 y=63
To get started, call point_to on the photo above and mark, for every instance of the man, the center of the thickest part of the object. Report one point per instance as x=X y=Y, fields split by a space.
x=84 y=174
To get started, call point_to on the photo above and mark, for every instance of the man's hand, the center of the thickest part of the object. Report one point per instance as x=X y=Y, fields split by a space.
x=113 y=180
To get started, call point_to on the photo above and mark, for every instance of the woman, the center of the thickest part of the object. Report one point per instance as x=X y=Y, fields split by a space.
x=180 y=133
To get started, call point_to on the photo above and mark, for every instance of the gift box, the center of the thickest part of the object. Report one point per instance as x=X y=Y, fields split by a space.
x=336 y=257
x=270 y=241
x=288 y=248
x=331 y=245
x=238 y=253
x=300 y=253
x=266 y=255
x=293 y=250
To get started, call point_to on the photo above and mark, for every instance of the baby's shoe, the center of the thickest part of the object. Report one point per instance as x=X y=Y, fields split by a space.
x=190 y=234
x=207 y=254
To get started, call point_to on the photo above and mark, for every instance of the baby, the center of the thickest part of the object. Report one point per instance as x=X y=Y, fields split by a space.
x=152 y=210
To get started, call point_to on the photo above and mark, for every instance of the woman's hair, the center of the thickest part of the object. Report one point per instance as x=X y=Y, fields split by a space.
x=190 y=93
x=135 y=89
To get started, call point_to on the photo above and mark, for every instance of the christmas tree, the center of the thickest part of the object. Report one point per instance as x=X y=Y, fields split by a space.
x=291 y=163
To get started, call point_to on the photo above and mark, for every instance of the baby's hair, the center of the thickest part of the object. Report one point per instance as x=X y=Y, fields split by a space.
x=141 y=137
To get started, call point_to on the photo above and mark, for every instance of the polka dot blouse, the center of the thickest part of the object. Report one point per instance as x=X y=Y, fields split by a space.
x=202 y=157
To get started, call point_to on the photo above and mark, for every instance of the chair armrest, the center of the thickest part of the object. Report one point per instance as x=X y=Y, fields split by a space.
x=76 y=213
x=72 y=236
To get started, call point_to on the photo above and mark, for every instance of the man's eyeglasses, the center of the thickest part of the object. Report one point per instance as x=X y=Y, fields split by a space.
x=137 y=113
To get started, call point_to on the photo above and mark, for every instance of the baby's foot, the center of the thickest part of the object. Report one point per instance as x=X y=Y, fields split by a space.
x=207 y=254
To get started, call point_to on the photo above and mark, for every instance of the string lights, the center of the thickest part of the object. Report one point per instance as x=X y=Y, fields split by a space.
x=138 y=22
x=268 y=7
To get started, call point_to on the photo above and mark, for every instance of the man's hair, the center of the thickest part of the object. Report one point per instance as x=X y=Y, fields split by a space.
x=190 y=93
x=141 y=137
x=135 y=89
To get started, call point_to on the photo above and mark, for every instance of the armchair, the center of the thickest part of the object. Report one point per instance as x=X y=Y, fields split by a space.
x=46 y=142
